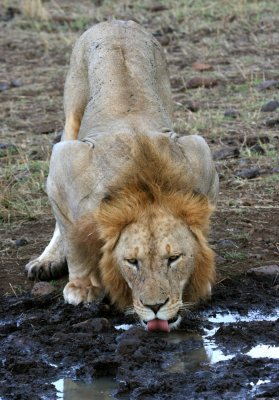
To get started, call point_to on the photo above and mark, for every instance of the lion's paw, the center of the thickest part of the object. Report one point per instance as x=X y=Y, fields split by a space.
x=76 y=293
x=46 y=269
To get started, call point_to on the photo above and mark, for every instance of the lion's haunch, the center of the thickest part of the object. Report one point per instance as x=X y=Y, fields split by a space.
x=158 y=325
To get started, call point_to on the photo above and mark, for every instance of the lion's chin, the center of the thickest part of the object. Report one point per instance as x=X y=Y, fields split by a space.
x=162 y=325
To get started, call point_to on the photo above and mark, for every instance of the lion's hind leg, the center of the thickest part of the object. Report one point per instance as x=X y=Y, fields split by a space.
x=51 y=264
x=76 y=93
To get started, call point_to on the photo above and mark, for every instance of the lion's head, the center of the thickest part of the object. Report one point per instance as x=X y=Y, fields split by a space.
x=155 y=256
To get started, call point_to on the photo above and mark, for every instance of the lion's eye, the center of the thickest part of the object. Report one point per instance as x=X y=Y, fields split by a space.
x=133 y=261
x=172 y=259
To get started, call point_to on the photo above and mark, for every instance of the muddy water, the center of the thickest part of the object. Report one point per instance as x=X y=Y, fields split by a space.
x=204 y=352
x=225 y=349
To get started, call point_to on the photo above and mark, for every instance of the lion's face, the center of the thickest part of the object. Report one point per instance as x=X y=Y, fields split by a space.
x=156 y=259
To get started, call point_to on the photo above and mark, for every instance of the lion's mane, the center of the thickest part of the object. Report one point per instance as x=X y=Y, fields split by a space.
x=153 y=178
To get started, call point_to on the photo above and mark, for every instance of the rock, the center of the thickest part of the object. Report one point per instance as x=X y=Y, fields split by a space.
x=226 y=152
x=248 y=173
x=42 y=289
x=231 y=112
x=15 y=83
x=4 y=146
x=227 y=244
x=202 y=67
x=4 y=86
x=270 y=106
x=272 y=122
x=21 y=242
x=11 y=12
x=266 y=272
x=192 y=106
x=252 y=140
x=94 y=325
x=128 y=346
x=268 y=84
x=45 y=128
x=258 y=149
x=156 y=7
x=199 y=81
x=163 y=40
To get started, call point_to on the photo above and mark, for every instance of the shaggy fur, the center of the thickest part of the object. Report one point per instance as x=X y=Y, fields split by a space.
x=152 y=180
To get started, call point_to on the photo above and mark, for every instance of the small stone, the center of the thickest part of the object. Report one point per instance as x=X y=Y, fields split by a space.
x=4 y=86
x=127 y=346
x=200 y=81
x=226 y=152
x=258 y=149
x=197 y=66
x=272 y=122
x=252 y=140
x=270 y=106
x=248 y=173
x=4 y=146
x=268 y=84
x=156 y=7
x=21 y=242
x=266 y=272
x=42 y=289
x=227 y=244
x=94 y=325
x=192 y=106
x=232 y=113
x=15 y=83
x=163 y=40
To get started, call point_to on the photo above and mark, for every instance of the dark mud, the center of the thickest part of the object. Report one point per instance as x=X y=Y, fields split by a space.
x=44 y=340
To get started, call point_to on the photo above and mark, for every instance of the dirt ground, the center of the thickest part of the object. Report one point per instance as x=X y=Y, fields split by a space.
x=42 y=339
x=223 y=59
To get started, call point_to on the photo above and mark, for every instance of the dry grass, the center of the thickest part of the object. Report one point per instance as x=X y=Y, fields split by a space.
x=22 y=183
x=34 y=9
x=237 y=38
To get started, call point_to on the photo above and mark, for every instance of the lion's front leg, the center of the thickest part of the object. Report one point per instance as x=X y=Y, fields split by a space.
x=83 y=290
x=84 y=286
x=51 y=264
x=70 y=182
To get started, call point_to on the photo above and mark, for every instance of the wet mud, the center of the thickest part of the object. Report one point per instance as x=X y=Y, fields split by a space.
x=97 y=351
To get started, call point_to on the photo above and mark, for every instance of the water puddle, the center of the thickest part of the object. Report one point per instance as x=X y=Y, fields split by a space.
x=194 y=352
x=100 y=389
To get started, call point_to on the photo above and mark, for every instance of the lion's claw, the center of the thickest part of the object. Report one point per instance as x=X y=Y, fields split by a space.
x=45 y=270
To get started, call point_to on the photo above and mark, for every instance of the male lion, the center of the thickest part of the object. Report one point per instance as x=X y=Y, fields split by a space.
x=132 y=200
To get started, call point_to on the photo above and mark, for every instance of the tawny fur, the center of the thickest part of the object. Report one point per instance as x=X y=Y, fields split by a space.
x=152 y=180
x=123 y=185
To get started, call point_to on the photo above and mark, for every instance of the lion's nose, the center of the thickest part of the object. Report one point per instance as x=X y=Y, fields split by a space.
x=156 y=307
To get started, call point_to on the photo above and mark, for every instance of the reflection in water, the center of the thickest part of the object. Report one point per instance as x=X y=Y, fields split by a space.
x=233 y=317
x=198 y=353
x=100 y=389
x=263 y=350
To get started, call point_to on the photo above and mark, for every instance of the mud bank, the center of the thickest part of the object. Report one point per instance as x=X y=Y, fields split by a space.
x=47 y=346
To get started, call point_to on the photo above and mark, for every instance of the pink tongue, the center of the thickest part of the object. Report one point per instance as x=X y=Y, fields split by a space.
x=158 y=325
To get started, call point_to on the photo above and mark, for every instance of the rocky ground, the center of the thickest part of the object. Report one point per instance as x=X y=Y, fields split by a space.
x=223 y=60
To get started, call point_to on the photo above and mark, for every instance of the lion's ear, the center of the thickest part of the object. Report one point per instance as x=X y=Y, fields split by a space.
x=114 y=214
x=194 y=209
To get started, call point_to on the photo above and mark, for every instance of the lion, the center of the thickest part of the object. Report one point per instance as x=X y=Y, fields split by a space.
x=132 y=199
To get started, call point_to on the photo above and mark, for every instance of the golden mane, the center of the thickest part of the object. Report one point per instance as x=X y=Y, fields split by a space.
x=154 y=178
